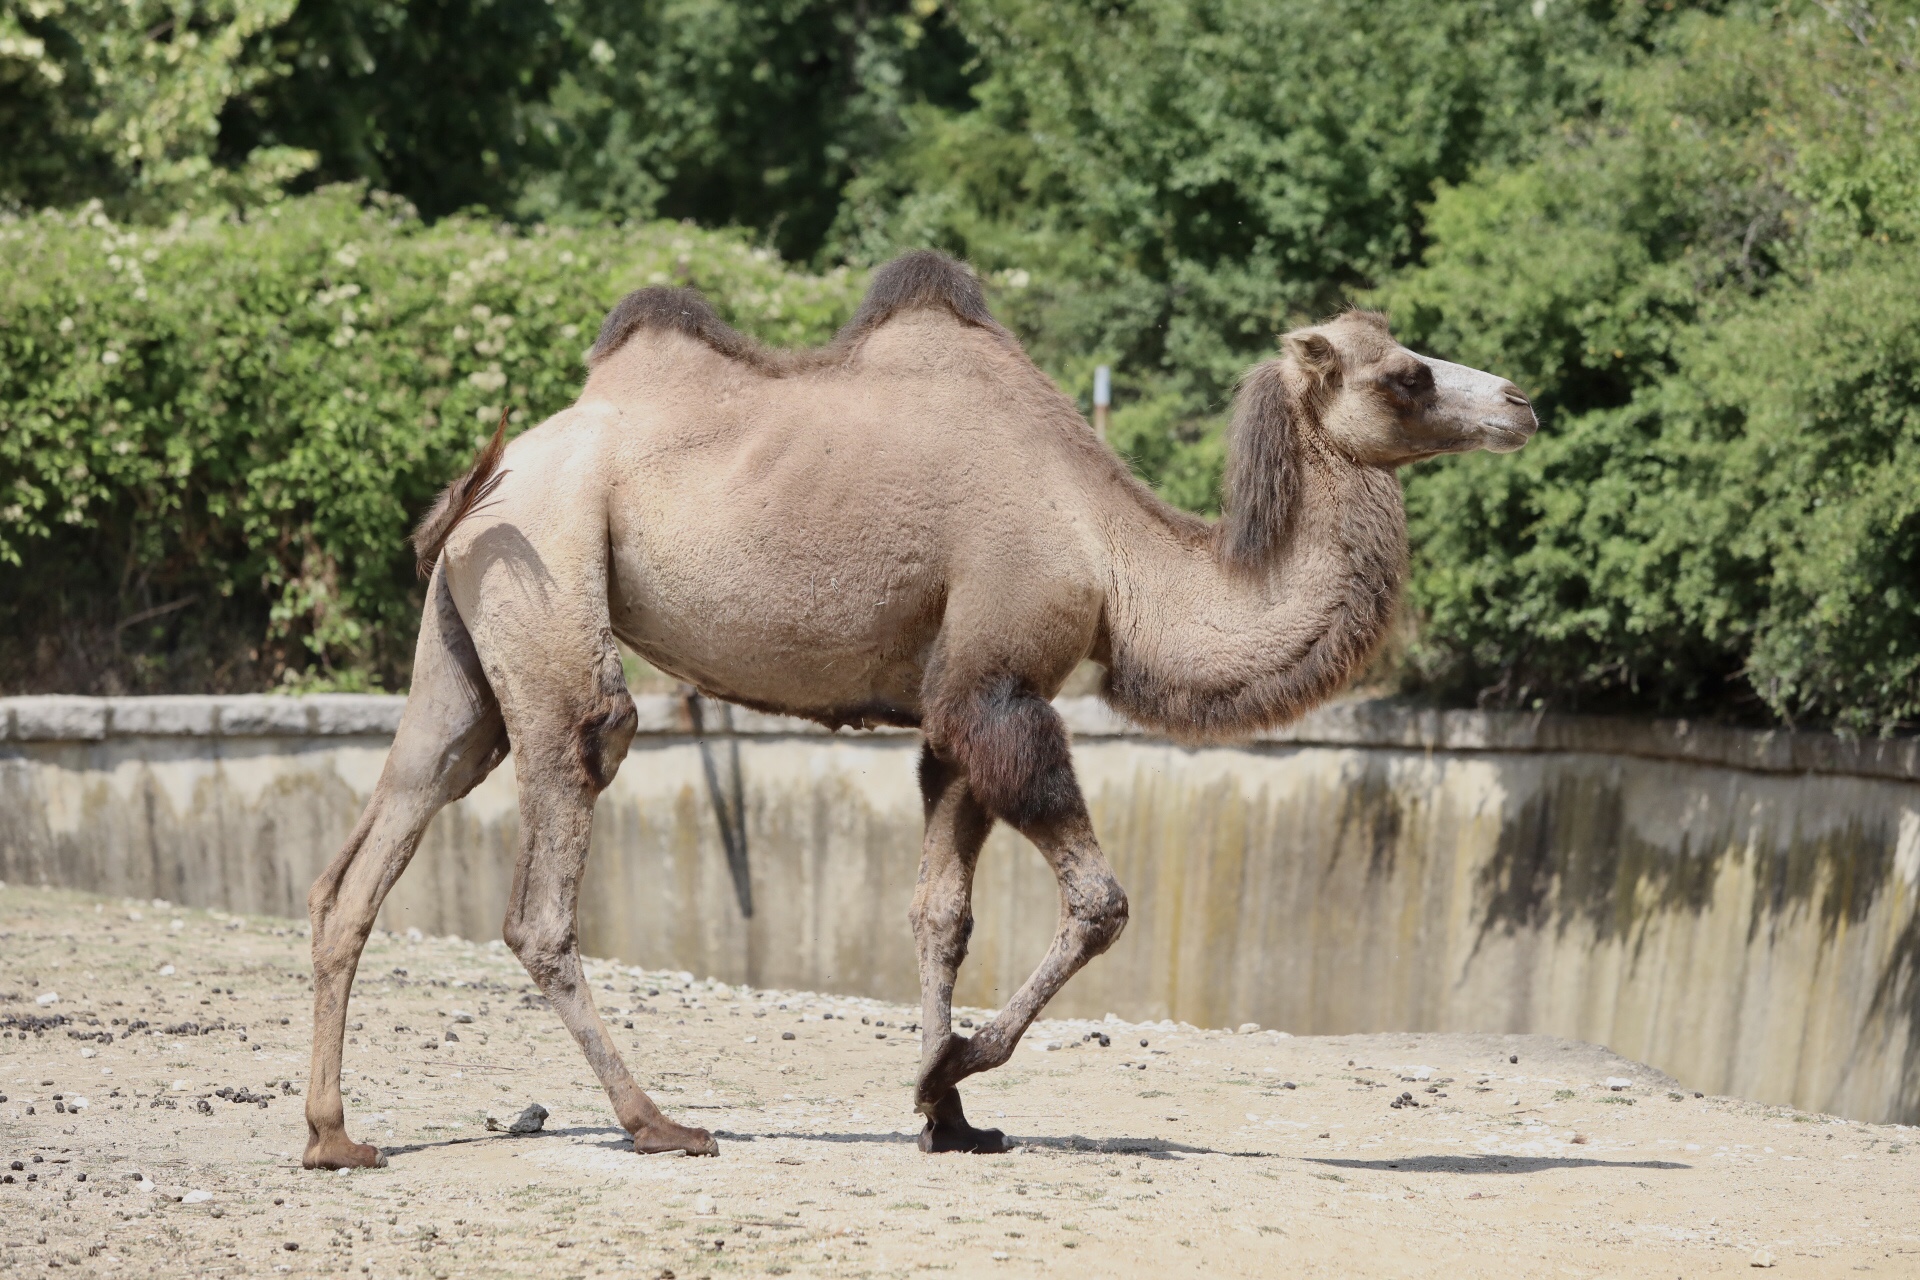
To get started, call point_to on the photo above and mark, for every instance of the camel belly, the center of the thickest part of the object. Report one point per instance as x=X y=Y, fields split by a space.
x=780 y=632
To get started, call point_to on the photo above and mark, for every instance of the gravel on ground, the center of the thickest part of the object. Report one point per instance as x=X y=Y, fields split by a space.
x=152 y=1061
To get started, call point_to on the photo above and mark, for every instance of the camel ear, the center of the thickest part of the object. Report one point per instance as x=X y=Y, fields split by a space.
x=1263 y=472
x=1315 y=355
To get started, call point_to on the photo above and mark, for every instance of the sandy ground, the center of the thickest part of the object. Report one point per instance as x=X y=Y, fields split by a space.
x=1195 y=1153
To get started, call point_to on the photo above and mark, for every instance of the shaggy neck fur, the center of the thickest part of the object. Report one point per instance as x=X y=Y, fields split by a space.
x=1284 y=601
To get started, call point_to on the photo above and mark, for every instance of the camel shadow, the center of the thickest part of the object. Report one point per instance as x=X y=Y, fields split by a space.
x=1152 y=1148
x=412 y=1148
x=617 y=1139
x=1488 y=1164
x=819 y=1137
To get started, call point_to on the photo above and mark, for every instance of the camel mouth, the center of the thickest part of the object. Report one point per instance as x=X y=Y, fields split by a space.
x=1503 y=437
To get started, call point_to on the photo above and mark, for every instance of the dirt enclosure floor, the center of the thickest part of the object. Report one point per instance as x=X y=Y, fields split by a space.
x=151 y=1124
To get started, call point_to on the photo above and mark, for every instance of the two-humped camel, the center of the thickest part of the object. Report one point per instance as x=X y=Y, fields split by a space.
x=911 y=526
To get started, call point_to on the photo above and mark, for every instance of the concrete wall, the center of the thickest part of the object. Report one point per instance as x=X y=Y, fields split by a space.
x=1735 y=908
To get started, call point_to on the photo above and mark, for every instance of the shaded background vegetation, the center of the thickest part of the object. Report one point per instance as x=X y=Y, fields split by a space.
x=1688 y=230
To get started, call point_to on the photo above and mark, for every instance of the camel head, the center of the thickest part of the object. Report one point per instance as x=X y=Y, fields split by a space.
x=1345 y=389
x=1383 y=405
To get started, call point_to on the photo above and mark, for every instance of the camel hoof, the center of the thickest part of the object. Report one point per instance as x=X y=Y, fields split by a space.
x=673 y=1137
x=341 y=1153
x=948 y=1136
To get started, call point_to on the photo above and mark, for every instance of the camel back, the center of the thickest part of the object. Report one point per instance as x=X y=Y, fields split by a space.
x=917 y=281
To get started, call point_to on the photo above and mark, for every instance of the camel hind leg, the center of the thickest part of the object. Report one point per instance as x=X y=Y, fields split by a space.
x=542 y=631
x=451 y=736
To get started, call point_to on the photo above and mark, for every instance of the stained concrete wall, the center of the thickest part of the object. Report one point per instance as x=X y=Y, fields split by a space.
x=1738 y=909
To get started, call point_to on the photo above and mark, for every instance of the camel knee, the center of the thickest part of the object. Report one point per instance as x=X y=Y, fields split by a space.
x=1099 y=913
x=943 y=931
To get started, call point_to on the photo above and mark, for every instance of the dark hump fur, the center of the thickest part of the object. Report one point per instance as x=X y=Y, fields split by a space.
x=675 y=310
x=923 y=279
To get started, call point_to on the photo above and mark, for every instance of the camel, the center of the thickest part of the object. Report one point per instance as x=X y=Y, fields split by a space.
x=909 y=526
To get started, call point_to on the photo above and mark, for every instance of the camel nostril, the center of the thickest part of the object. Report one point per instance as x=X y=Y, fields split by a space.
x=1514 y=397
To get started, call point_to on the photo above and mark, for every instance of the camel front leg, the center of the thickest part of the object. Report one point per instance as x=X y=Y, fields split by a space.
x=1014 y=751
x=942 y=917
x=1093 y=911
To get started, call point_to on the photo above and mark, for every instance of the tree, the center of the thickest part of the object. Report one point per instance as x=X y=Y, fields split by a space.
x=120 y=100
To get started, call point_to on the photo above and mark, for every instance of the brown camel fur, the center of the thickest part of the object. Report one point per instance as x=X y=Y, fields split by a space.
x=910 y=526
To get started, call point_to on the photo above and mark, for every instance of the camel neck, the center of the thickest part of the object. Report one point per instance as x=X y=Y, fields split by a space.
x=1202 y=649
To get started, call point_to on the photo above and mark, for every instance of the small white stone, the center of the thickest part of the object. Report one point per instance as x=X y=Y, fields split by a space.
x=704 y=1206
x=1760 y=1258
x=47 y=998
x=1618 y=1082
x=166 y=971
x=200 y=1197
x=89 y=1053
x=180 y=1086
x=1248 y=1028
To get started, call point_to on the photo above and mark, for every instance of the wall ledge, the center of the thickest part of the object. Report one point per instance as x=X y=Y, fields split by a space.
x=1357 y=723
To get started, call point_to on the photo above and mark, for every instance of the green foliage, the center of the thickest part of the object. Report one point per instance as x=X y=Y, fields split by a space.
x=121 y=99
x=747 y=112
x=428 y=100
x=1166 y=185
x=1712 y=289
x=247 y=414
x=731 y=112
x=1689 y=232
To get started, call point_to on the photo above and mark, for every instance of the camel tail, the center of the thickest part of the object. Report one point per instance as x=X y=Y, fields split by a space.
x=458 y=499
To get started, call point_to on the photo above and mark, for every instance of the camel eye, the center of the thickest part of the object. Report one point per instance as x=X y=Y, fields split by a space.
x=1415 y=379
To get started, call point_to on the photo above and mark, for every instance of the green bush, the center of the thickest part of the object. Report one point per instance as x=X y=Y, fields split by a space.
x=1688 y=230
x=240 y=417
x=1712 y=289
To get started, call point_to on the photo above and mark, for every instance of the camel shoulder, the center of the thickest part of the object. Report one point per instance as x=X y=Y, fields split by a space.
x=667 y=310
x=924 y=280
